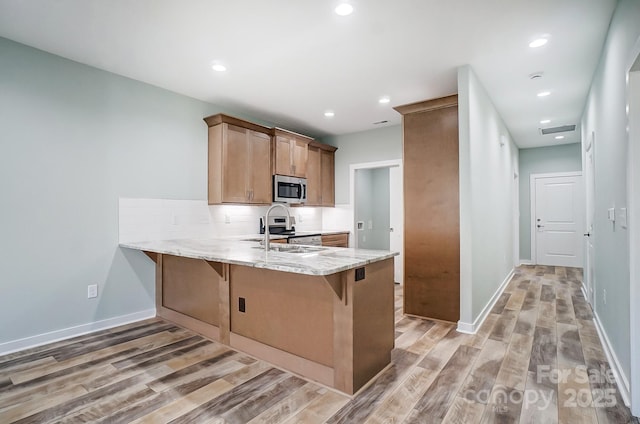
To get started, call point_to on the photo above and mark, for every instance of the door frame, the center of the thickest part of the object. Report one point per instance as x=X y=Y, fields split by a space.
x=633 y=203
x=532 y=192
x=589 y=279
x=352 y=197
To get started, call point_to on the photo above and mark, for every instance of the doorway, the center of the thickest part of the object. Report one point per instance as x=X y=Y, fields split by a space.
x=377 y=203
x=557 y=213
x=633 y=196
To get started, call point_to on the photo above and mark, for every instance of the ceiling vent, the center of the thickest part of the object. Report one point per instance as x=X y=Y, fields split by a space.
x=554 y=130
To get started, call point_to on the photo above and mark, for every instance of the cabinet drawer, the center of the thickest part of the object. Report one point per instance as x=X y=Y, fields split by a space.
x=336 y=240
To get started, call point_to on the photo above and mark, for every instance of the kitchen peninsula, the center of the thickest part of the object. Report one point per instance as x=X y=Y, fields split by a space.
x=325 y=313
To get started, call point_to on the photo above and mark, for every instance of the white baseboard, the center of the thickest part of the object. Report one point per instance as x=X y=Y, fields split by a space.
x=621 y=378
x=526 y=262
x=67 y=333
x=472 y=328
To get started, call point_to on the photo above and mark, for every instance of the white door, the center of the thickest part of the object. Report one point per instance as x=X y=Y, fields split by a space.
x=396 y=221
x=590 y=180
x=558 y=220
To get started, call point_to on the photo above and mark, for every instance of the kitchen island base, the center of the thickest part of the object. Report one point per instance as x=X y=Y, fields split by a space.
x=335 y=329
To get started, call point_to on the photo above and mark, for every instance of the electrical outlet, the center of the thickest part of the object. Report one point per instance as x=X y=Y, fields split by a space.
x=300 y=218
x=92 y=291
x=604 y=296
x=227 y=219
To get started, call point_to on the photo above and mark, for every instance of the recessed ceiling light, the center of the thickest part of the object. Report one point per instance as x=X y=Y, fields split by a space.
x=218 y=67
x=344 y=9
x=329 y=114
x=384 y=100
x=544 y=93
x=538 y=42
x=545 y=121
x=559 y=137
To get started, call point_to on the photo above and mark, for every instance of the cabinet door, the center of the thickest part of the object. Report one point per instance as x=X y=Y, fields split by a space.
x=260 y=168
x=299 y=158
x=283 y=156
x=328 y=178
x=336 y=240
x=314 y=178
x=235 y=162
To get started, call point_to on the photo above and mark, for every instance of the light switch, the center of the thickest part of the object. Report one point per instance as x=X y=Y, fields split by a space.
x=611 y=214
x=622 y=218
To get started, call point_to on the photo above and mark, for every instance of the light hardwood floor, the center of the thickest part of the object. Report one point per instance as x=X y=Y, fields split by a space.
x=536 y=359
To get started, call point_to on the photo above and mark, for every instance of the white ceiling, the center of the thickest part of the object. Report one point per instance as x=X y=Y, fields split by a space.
x=289 y=61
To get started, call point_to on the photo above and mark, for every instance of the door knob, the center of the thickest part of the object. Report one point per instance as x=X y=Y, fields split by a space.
x=587 y=234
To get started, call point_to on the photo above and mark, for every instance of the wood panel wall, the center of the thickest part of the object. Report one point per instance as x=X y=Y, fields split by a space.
x=432 y=209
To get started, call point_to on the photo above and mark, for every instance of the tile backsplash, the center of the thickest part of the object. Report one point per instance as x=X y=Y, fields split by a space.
x=160 y=219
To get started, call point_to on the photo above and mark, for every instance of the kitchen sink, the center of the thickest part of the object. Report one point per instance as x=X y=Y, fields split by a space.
x=289 y=248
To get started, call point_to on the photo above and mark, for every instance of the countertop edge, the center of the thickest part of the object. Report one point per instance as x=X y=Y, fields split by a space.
x=279 y=263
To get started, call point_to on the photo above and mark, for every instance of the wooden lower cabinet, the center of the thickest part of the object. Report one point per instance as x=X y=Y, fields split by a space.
x=336 y=240
x=188 y=293
x=278 y=305
x=330 y=329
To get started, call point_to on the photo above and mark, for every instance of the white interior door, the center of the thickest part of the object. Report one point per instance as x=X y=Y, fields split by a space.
x=396 y=220
x=558 y=220
x=590 y=180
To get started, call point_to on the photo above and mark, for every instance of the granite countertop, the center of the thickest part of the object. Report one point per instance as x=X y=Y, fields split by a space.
x=325 y=261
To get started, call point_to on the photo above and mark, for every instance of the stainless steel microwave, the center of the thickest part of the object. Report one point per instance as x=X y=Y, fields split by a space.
x=289 y=189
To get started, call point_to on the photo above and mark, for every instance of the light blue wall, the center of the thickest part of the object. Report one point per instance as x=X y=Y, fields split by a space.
x=605 y=115
x=372 y=205
x=381 y=209
x=364 y=205
x=487 y=197
x=564 y=158
x=74 y=139
x=367 y=146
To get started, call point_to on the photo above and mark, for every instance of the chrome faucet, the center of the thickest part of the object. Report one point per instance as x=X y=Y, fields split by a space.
x=266 y=227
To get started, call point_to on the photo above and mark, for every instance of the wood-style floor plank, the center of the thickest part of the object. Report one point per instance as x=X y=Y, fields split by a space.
x=155 y=372
x=289 y=405
x=441 y=394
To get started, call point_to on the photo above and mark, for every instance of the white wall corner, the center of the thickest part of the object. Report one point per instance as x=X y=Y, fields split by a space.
x=464 y=167
x=473 y=327
x=70 y=332
x=621 y=378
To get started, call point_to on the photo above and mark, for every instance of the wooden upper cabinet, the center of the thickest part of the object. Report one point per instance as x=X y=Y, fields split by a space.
x=259 y=169
x=314 y=177
x=320 y=175
x=327 y=166
x=239 y=161
x=290 y=153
